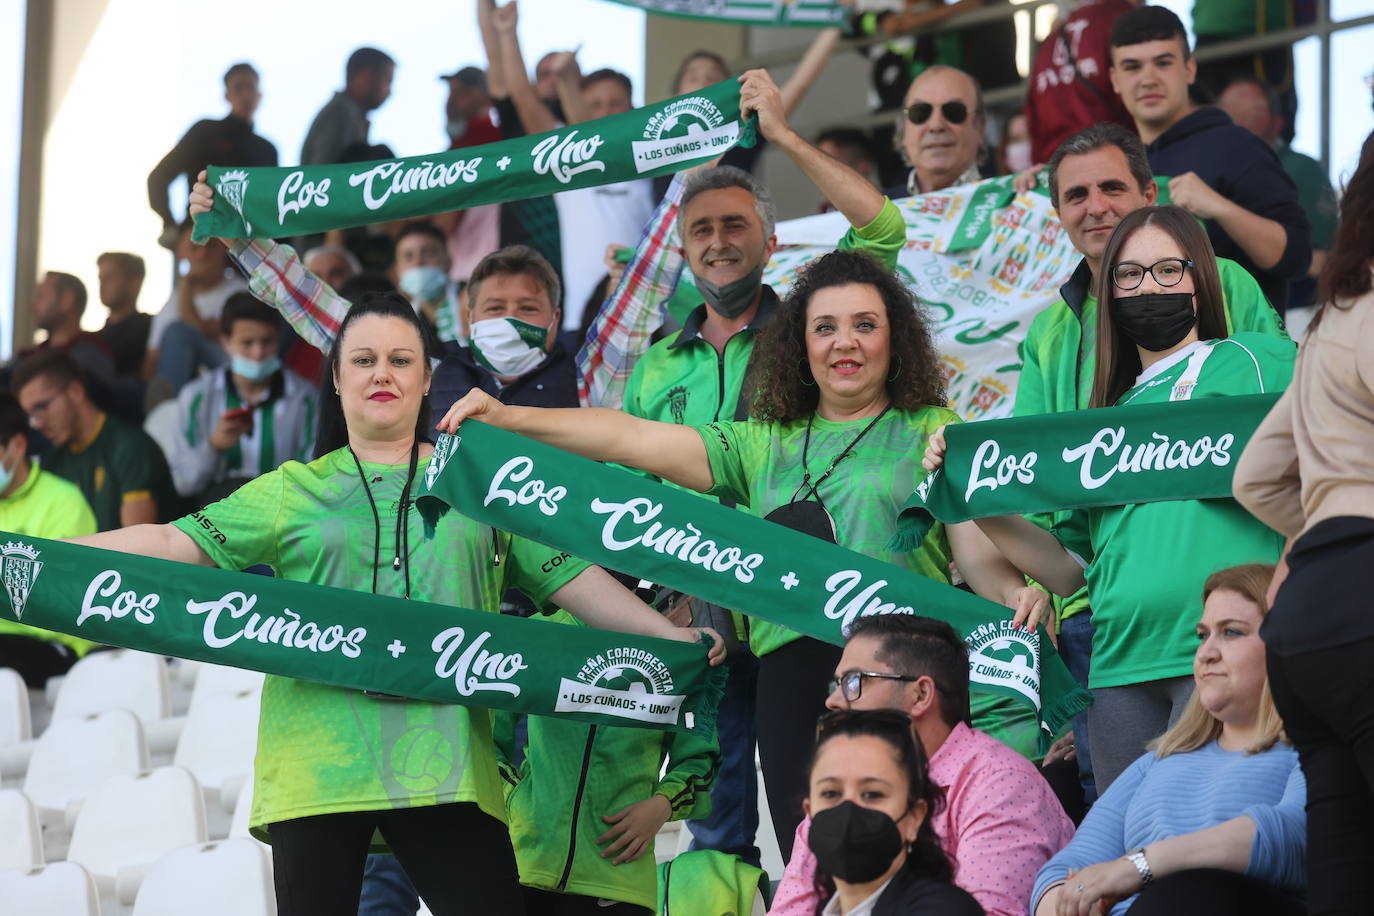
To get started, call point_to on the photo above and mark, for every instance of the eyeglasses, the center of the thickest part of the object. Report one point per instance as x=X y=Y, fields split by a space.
x=955 y=112
x=851 y=683
x=1167 y=272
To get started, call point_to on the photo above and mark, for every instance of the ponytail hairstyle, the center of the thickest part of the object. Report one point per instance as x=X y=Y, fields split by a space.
x=332 y=431
x=1118 y=361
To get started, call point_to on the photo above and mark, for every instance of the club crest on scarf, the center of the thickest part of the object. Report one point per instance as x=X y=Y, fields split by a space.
x=632 y=683
x=19 y=568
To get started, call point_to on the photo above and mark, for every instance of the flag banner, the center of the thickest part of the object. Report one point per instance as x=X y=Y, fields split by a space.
x=354 y=639
x=625 y=522
x=1114 y=456
x=982 y=259
x=813 y=14
x=654 y=140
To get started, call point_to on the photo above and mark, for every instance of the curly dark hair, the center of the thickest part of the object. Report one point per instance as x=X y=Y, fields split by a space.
x=780 y=382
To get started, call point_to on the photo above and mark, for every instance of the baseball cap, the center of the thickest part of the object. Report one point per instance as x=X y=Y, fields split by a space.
x=468 y=76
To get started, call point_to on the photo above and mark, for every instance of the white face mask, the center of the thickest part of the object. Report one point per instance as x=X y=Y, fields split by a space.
x=1019 y=155
x=508 y=346
x=7 y=474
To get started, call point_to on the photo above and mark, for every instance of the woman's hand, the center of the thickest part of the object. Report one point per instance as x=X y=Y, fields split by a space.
x=475 y=405
x=694 y=634
x=202 y=195
x=935 y=451
x=634 y=830
x=1029 y=604
x=1097 y=888
x=1063 y=749
x=1027 y=180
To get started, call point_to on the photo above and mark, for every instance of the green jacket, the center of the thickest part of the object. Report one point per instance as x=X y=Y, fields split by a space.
x=572 y=775
x=1059 y=356
x=705 y=882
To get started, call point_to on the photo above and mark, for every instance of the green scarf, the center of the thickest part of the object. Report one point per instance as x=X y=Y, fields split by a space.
x=353 y=639
x=622 y=521
x=654 y=140
x=1083 y=459
x=803 y=13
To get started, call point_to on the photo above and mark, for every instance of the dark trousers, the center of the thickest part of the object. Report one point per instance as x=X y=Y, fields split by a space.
x=791 y=697
x=1216 y=893
x=547 y=903
x=36 y=660
x=734 y=817
x=1324 y=697
x=459 y=857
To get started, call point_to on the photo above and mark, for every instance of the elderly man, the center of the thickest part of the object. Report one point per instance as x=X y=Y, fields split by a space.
x=941 y=132
x=334 y=264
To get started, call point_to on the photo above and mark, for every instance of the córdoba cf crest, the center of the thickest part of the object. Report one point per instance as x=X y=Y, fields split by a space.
x=19 y=569
x=231 y=186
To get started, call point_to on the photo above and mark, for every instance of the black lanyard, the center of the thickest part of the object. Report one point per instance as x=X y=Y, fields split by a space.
x=402 y=547
x=806 y=450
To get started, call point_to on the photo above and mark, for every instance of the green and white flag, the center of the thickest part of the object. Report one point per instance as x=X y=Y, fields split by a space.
x=354 y=639
x=623 y=521
x=1083 y=459
x=982 y=259
x=805 y=13
x=654 y=140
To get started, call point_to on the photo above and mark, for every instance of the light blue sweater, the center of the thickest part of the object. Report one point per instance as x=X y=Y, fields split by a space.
x=1155 y=799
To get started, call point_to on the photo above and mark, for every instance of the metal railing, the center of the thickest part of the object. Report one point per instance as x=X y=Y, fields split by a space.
x=1008 y=96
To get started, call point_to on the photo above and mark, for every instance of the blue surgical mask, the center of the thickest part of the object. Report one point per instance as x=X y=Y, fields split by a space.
x=424 y=284
x=6 y=475
x=255 y=370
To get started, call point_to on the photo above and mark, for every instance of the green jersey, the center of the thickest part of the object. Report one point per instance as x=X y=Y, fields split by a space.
x=1059 y=356
x=1147 y=562
x=120 y=464
x=324 y=749
x=573 y=775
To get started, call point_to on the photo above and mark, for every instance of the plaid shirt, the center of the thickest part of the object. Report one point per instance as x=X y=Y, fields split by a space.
x=277 y=277
x=624 y=327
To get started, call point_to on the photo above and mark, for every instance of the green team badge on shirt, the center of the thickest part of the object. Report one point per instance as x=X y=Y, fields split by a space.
x=633 y=683
x=19 y=568
x=418 y=754
x=677 y=404
x=1004 y=655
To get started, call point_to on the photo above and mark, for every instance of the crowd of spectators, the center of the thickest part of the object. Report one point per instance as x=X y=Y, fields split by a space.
x=1196 y=799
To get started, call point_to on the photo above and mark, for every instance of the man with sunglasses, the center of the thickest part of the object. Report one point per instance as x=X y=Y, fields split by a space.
x=1000 y=821
x=942 y=130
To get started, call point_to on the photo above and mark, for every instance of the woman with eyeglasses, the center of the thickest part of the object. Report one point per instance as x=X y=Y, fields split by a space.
x=1162 y=338
x=1209 y=820
x=870 y=801
x=847 y=387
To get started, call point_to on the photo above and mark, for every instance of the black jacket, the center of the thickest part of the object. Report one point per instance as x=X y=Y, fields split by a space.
x=912 y=895
x=552 y=383
x=1246 y=170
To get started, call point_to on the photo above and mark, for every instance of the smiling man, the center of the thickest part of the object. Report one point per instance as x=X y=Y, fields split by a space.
x=1221 y=173
x=941 y=131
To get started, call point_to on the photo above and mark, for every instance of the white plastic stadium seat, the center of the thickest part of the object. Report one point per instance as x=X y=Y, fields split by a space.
x=61 y=888
x=226 y=878
x=74 y=756
x=221 y=732
x=135 y=681
x=21 y=840
x=14 y=708
x=132 y=821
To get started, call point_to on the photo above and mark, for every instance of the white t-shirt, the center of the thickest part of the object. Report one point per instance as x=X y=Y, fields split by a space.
x=208 y=303
x=589 y=219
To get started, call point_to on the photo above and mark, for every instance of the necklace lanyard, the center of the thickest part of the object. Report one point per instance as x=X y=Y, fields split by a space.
x=401 y=554
x=806 y=483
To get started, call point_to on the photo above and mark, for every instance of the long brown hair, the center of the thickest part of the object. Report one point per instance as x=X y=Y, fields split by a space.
x=1347 y=272
x=780 y=380
x=1118 y=361
x=1197 y=727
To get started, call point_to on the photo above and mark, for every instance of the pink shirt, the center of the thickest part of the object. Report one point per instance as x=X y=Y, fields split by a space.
x=1000 y=823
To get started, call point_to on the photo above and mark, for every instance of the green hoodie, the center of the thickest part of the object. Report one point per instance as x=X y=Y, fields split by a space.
x=573 y=774
x=1059 y=356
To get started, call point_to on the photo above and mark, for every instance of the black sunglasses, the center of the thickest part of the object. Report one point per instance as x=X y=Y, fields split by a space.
x=955 y=112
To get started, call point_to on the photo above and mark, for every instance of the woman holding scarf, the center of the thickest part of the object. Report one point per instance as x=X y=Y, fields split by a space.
x=847 y=388
x=336 y=768
x=1162 y=339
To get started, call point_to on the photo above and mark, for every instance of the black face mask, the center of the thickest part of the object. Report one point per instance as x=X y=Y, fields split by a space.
x=807 y=516
x=1154 y=321
x=853 y=843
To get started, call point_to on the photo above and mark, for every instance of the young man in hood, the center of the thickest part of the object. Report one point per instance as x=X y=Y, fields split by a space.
x=1221 y=173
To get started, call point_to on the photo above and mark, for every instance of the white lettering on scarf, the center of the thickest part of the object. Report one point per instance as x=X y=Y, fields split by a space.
x=564 y=157
x=286 y=630
x=517 y=470
x=306 y=193
x=475 y=662
x=866 y=603
x=387 y=178
x=1159 y=454
x=105 y=585
x=683 y=543
x=989 y=454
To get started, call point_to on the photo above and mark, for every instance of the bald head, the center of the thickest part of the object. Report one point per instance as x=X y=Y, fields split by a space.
x=942 y=129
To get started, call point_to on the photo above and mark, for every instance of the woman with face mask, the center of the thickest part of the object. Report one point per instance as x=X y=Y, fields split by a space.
x=332 y=764
x=870 y=803
x=1210 y=819
x=1162 y=338
x=847 y=387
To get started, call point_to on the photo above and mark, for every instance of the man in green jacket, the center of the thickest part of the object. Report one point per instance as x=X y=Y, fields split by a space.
x=696 y=376
x=1097 y=177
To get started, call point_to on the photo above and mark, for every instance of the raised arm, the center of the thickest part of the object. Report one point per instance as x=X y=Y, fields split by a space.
x=534 y=114
x=809 y=69
x=569 y=81
x=163 y=542
x=665 y=450
x=850 y=192
x=491 y=42
x=596 y=598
